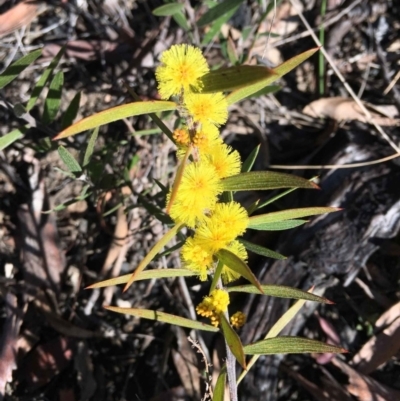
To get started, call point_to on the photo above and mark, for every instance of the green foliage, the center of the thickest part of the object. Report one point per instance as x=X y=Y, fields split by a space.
x=11 y=137
x=289 y=345
x=163 y=317
x=12 y=71
x=242 y=81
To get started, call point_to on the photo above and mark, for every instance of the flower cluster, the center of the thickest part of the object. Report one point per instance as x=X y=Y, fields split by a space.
x=213 y=305
x=238 y=319
x=195 y=198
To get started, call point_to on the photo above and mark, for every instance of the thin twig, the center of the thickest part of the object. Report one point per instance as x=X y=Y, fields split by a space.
x=335 y=166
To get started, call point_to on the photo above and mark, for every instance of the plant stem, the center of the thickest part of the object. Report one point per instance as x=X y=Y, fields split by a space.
x=231 y=372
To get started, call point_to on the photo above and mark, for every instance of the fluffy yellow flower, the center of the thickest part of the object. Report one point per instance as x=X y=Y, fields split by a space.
x=207 y=108
x=196 y=258
x=197 y=193
x=206 y=138
x=239 y=250
x=213 y=305
x=225 y=160
x=181 y=67
x=238 y=319
x=227 y=221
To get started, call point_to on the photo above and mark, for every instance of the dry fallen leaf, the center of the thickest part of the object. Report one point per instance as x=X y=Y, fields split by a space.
x=365 y=388
x=21 y=14
x=341 y=109
x=380 y=347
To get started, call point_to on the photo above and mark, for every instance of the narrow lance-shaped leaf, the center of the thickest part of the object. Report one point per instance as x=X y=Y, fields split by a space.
x=216 y=26
x=230 y=78
x=144 y=275
x=279 y=291
x=290 y=345
x=278 y=225
x=152 y=253
x=219 y=389
x=167 y=9
x=279 y=71
x=53 y=99
x=72 y=111
x=261 y=250
x=277 y=328
x=262 y=219
x=251 y=158
x=90 y=147
x=69 y=160
x=13 y=70
x=11 y=137
x=233 y=341
x=238 y=265
x=218 y=11
x=115 y=114
x=163 y=317
x=264 y=180
x=178 y=179
x=37 y=90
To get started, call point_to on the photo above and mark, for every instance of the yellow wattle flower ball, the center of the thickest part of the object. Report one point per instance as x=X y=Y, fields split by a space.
x=197 y=193
x=196 y=258
x=225 y=160
x=228 y=221
x=181 y=67
x=213 y=305
x=238 y=319
x=207 y=108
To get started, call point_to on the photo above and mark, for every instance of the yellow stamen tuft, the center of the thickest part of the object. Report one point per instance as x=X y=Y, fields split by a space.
x=227 y=221
x=238 y=319
x=207 y=108
x=181 y=67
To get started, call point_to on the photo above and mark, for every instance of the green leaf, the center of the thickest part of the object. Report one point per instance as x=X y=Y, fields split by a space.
x=275 y=331
x=11 y=137
x=279 y=72
x=53 y=99
x=264 y=180
x=90 y=147
x=37 y=90
x=69 y=160
x=251 y=158
x=290 y=345
x=280 y=291
x=71 y=112
x=238 y=265
x=163 y=317
x=181 y=20
x=218 y=11
x=219 y=389
x=152 y=253
x=263 y=221
x=216 y=276
x=167 y=9
x=115 y=114
x=12 y=71
x=278 y=225
x=265 y=91
x=230 y=78
x=144 y=275
x=260 y=250
x=217 y=25
x=233 y=341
